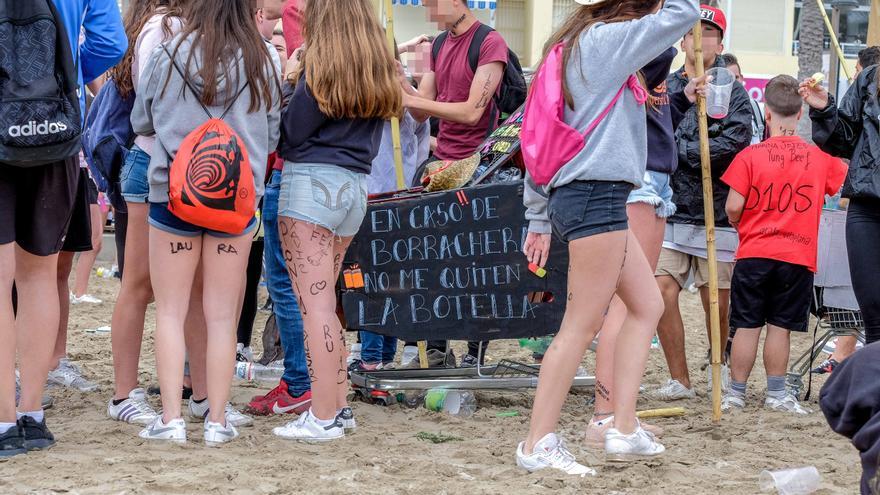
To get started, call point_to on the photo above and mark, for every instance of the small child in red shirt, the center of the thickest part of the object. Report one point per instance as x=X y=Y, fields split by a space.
x=777 y=189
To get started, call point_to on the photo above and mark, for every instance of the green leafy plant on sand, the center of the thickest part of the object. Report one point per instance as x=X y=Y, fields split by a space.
x=437 y=437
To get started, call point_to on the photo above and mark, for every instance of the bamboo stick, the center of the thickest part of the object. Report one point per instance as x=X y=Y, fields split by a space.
x=834 y=42
x=709 y=211
x=398 y=152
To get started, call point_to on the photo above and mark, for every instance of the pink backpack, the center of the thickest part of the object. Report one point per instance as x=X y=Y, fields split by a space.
x=548 y=143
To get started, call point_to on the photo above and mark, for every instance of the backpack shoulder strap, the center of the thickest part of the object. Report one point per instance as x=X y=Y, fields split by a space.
x=477 y=45
x=186 y=81
x=438 y=44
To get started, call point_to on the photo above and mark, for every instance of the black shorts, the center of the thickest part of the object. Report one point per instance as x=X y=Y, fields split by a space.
x=36 y=205
x=587 y=208
x=79 y=233
x=770 y=292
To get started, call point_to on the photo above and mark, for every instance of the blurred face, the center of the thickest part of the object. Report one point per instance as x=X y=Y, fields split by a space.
x=272 y=9
x=443 y=12
x=713 y=45
x=736 y=72
x=280 y=45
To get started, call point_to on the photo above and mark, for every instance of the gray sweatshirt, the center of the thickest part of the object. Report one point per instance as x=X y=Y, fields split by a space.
x=172 y=116
x=608 y=54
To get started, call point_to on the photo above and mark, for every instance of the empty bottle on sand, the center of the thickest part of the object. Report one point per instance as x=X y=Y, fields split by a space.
x=257 y=372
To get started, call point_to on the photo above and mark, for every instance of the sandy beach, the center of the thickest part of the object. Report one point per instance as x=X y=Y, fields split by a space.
x=95 y=455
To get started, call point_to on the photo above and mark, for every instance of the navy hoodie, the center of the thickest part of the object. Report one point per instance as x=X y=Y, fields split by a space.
x=309 y=136
x=850 y=400
x=662 y=152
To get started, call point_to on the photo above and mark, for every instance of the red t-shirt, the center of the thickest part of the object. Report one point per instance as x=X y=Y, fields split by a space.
x=453 y=76
x=291 y=23
x=784 y=181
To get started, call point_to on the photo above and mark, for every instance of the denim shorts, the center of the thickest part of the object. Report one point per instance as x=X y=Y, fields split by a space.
x=162 y=218
x=135 y=186
x=330 y=196
x=587 y=208
x=656 y=191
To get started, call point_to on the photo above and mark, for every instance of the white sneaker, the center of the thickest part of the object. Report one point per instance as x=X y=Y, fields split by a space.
x=354 y=354
x=174 y=431
x=550 y=452
x=789 y=403
x=199 y=410
x=244 y=354
x=133 y=410
x=306 y=429
x=730 y=402
x=345 y=418
x=674 y=390
x=69 y=375
x=638 y=445
x=85 y=299
x=725 y=378
x=216 y=434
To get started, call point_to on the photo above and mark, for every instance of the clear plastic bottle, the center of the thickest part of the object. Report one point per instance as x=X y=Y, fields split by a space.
x=460 y=403
x=257 y=372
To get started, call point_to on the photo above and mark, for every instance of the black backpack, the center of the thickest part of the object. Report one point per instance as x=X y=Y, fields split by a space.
x=40 y=119
x=513 y=89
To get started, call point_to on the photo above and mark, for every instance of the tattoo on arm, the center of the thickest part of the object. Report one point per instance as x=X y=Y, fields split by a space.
x=485 y=98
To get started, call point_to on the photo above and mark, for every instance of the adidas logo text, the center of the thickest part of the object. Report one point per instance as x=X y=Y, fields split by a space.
x=32 y=128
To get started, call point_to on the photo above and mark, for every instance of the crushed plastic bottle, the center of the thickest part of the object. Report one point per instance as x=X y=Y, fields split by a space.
x=257 y=372
x=460 y=403
x=538 y=346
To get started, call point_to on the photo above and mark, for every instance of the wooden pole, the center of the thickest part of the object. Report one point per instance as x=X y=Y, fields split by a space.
x=834 y=42
x=874 y=24
x=398 y=152
x=709 y=211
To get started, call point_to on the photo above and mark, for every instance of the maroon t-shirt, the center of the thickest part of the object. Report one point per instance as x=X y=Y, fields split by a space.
x=453 y=76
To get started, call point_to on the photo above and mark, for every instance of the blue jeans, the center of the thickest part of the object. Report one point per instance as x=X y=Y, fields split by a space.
x=287 y=315
x=377 y=348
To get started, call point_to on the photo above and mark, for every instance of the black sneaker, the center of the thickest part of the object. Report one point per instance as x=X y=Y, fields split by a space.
x=36 y=435
x=12 y=442
x=826 y=367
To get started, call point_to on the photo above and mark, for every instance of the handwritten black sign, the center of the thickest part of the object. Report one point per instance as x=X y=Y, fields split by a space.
x=450 y=265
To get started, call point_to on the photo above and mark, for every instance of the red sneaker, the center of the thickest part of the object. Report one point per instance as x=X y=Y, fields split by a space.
x=279 y=401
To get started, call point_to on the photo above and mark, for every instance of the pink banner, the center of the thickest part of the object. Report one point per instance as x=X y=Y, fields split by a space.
x=755 y=87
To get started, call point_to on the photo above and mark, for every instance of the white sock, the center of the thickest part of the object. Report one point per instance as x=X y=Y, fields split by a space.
x=322 y=422
x=37 y=416
x=4 y=427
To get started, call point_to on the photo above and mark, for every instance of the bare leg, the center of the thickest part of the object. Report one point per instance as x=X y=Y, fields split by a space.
x=127 y=323
x=777 y=346
x=173 y=263
x=744 y=353
x=224 y=262
x=195 y=331
x=671 y=331
x=649 y=230
x=845 y=348
x=339 y=249
x=7 y=334
x=65 y=265
x=309 y=251
x=36 y=323
x=87 y=259
x=595 y=267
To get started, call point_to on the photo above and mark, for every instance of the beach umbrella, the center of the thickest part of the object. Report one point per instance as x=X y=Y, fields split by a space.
x=709 y=211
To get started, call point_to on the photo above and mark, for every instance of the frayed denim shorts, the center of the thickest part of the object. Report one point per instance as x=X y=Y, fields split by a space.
x=586 y=208
x=326 y=195
x=656 y=191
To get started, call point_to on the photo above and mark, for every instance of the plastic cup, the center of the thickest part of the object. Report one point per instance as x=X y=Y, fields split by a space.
x=441 y=400
x=718 y=92
x=795 y=481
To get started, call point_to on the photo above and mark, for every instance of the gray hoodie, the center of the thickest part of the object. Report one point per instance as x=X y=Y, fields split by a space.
x=173 y=115
x=617 y=149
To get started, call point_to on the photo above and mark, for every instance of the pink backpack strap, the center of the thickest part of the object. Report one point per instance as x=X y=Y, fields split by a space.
x=638 y=91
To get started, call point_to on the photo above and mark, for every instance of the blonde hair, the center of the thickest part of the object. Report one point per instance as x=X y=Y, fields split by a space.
x=348 y=66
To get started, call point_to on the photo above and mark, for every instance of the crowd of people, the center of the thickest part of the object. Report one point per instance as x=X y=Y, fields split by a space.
x=253 y=149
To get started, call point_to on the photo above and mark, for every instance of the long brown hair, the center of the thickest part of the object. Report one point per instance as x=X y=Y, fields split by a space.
x=584 y=18
x=136 y=17
x=223 y=31
x=347 y=64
